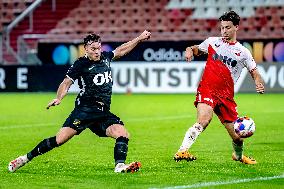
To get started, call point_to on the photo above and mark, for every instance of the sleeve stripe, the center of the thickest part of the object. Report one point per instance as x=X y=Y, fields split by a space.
x=70 y=78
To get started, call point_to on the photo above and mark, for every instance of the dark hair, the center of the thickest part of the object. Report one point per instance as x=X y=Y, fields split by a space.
x=89 y=39
x=230 y=16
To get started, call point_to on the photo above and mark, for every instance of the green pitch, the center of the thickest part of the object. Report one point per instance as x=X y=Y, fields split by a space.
x=157 y=124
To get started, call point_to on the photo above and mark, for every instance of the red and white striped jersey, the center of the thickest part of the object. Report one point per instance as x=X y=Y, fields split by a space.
x=224 y=65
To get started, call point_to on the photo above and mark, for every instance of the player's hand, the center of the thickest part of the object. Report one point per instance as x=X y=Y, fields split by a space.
x=259 y=88
x=54 y=102
x=144 y=36
x=188 y=54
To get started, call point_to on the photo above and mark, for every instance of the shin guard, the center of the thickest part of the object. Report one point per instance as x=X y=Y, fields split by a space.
x=43 y=147
x=120 y=150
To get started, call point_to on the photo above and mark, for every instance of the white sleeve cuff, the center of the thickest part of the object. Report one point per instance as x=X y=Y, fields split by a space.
x=70 y=78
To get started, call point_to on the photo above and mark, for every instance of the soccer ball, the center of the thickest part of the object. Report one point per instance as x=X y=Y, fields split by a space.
x=244 y=126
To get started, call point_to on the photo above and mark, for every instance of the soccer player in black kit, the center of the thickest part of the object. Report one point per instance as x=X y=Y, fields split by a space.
x=92 y=105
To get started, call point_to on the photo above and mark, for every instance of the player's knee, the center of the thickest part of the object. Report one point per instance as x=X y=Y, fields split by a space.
x=204 y=122
x=64 y=134
x=116 y=131
x=122 y=132
x=60 y=140
x=126 y=134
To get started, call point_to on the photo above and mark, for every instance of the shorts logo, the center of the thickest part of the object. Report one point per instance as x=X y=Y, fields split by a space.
x=76 y=122
x=208 y=99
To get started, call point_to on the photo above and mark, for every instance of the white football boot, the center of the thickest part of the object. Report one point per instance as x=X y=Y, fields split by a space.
x=130 y=168
x=17 y=163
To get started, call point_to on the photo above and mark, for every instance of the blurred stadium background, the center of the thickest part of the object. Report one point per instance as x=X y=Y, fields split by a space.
x=40 y=39
x=48 y=33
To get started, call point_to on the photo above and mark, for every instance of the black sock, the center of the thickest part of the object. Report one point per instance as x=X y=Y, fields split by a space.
x=120 y=149
x=43 y=147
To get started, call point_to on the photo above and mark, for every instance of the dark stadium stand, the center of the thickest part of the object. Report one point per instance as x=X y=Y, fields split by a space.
x=128 y=17
x=11 y=9
x=44 y=19
x=120 y=20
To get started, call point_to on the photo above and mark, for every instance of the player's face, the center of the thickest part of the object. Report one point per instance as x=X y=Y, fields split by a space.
x=94 y=50
x=228 y=30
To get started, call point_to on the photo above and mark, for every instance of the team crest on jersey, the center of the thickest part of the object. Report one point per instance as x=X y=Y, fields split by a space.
x=238 y=53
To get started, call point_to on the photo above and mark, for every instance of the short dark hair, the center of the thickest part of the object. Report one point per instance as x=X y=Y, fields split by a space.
x=230 y=16
x=90 y=38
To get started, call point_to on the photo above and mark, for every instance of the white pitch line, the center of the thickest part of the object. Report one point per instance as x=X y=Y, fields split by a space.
x=141 y=119
x=27 y=125
x=217 y=183
x=157 y=118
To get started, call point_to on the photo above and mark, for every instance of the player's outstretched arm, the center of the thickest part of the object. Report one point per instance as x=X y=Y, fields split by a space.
x=259 y=83
x=192 y=51
x=127 y=47
x=61 y=92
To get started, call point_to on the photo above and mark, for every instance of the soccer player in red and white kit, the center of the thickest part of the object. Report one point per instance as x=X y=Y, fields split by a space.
x=215 y=93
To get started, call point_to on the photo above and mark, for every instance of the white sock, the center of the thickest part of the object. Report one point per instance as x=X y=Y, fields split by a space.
x=119 y=164
x=238 y=150
x=25 y=158
x=190 y=136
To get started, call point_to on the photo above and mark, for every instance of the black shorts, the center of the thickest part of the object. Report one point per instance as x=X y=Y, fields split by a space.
x=94 y=118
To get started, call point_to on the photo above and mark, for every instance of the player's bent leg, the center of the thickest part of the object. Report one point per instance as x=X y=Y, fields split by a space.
x=121 y=135
x=117 y=130
x=44 y=146
x=204 y=116
x=65 y=134
x=190 y=136
x=237 y=143
x=48 y=144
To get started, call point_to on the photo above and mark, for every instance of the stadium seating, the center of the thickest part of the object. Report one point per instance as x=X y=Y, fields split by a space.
x=11 y=9
x=183 y=19
x=44 y=19
x=120 y=20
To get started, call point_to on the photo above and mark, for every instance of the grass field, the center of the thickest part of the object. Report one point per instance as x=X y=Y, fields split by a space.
x=157 y=124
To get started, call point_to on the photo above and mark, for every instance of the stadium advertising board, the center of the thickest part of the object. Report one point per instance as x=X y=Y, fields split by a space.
x=138 y=77
x=31 y=78
x=162 y=51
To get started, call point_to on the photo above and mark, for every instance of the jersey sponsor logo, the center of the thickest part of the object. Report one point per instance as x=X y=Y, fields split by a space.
x=225 y=59
x=100 y=79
